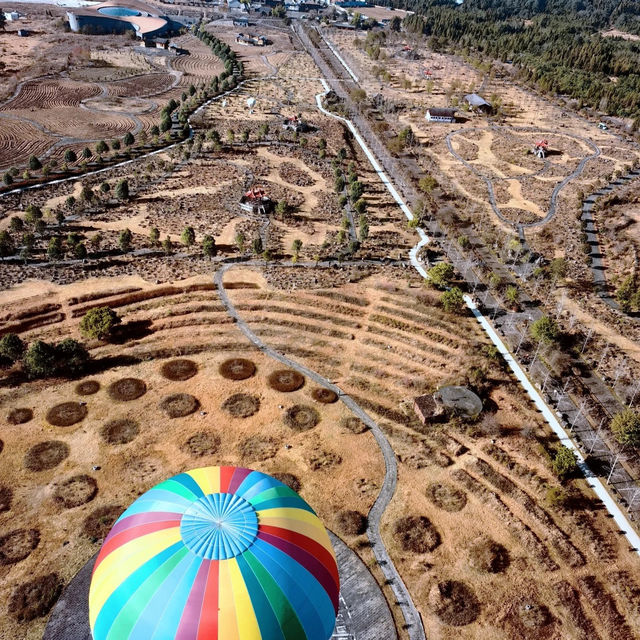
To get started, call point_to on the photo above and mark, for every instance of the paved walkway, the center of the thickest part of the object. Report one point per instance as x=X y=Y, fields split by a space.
x=363 y=615
x=413 y=623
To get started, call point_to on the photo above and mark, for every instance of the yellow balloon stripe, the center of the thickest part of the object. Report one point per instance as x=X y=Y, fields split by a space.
x=132 y=555
x=227 y=625
x=208 y=479
x=291 y=514
x=247 y=622
x=303 y=528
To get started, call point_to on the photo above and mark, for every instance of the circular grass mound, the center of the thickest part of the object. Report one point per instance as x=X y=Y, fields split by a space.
x=66 y=414
x=18 y=545
x=241 y=405
x=416 y=534
x=324 y=460
x=99 y=522
x=6 y=497
x=353 y=424
x=351 y=523
x=202 y=444
x=488 y=556
x=237 y=369
x=35 y=598
x=75 y=491
x=324 y=396
x=120 y=431
x=179 y=370
x=532 y=615
x=289 y=479
x=285 y=380
x=178 y=405
x=20 y=416
x=46 y=455
x=454 y=603
x=301 y=417
x=446 y=497
x=258 y=448
x=127 y=389
x=87 y=387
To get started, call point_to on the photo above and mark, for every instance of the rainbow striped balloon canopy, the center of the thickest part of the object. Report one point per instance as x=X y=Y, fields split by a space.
x=218 y=553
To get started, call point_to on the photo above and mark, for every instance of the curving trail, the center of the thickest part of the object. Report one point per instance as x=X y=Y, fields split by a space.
x=489 y=181
x=413 y=624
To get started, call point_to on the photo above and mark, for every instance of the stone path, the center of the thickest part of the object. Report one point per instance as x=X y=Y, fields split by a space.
x=363 y=615
x=413 y=623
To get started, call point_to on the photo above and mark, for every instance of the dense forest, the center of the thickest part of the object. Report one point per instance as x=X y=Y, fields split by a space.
x=555 y=44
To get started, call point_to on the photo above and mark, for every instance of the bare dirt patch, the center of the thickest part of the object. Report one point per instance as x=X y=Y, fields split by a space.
x=87 y=387
x=17 y=545
x=120 y=431
x=237 y=369
x=241 y=405
x=127 y=389
x=201 y=444
x=66 y=414
x=35 y=598
x=446 y=497
x=454 y=603
x=416 y=534
x=179 y=370
x=178 y=405
x=258 y=448
x=20 y=416
x=46 y=455
x=76 y=491
x=99 y=522
x=488 y=556
x=289 y=479
x=285 y=380
x=301 y=417
x=324 y=396
x=351 y=523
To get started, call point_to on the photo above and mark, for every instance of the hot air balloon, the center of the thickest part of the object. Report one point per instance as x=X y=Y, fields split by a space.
x=217 y=553
x=251 y=102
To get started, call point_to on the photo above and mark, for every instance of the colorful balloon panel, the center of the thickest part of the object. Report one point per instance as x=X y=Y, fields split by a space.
x=218 y=553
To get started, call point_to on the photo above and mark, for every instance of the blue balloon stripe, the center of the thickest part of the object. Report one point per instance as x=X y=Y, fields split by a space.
x=254 y=484
x=266 y=617
x=153 y=616
x=123 y=592
x=307 y=596
x=187 y=481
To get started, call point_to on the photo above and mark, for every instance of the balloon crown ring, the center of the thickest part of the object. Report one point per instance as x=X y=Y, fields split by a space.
x=219 y=526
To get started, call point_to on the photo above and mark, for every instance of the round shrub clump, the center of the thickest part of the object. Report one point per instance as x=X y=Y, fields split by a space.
x=488 y=556
x=99 y=522
x=285 y=380
x=18 y=545
x=120 y=431
x=202 y=444
x=237 y=369
x=454 y=603
x=66 y=414
x=241 y=405
x=301 y=417
x=35 y=598
x=324 y=396
x=46 y=455
x=178 y=405
x=351 y=523
x=75 y=491
x=179 y=370
x=353 y=424
x=87 y=387
x=20 y=416
x=6 y=497
x=127 y=389
x=416 y=534
x=446 y=497
x=258 y=448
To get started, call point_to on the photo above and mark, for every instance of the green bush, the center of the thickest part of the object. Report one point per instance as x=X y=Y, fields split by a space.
x=441 y=274
x=545 y=329
x=40 y=359
x=564 y=463
x=99 y=323
x=11 y=347
x=626 y=427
